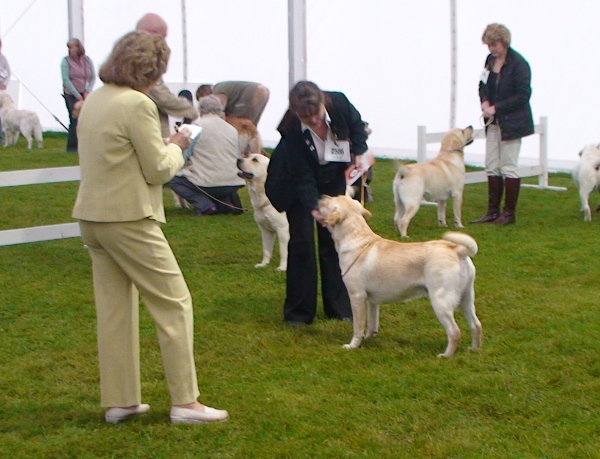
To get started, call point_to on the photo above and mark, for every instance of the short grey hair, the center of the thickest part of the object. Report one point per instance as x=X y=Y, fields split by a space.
x=210 y=105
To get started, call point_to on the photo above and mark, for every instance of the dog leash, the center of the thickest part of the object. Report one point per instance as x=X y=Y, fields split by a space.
x=358 y=256
x=41 y=103
x=221 y=202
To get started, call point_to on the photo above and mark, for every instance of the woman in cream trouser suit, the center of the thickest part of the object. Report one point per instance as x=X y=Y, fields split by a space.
x=124 y=163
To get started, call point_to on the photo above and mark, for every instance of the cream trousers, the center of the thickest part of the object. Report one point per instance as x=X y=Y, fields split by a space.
x=127 y=258
x=501 y=156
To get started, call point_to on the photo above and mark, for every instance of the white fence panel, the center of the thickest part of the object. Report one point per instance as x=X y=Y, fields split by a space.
x=33 y=177
x=540 y=170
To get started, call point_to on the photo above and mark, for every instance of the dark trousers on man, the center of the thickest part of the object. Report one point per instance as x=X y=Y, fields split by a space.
x=301 y=283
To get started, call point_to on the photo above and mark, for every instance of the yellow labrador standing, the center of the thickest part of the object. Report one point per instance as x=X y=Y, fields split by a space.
x=270 y=222
x=586 y=176
x=437 y=180
x=377 y=270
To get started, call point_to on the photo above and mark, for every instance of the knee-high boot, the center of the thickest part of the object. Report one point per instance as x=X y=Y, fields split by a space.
x=513 y=185
x=495 y=189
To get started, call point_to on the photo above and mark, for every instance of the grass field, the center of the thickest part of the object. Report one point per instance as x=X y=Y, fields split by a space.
x=533 y=391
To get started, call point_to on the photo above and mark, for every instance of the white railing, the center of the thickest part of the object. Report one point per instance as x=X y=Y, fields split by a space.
x=540 y=170
x=33 y=177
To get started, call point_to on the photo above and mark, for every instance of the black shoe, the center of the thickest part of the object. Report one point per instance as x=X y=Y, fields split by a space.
x=296 y=323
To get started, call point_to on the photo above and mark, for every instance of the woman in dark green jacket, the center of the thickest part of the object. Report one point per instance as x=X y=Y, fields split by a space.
x=504 y=92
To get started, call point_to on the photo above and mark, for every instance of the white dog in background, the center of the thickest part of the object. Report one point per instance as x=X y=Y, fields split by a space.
x=437 y=180
x=377 y=270
x=586 y=176
x=270 y=222
x=16 y=121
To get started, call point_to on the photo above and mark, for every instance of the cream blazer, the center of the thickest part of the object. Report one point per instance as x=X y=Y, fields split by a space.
x=123 y=159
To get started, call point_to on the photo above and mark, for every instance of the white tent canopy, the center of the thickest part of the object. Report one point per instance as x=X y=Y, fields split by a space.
x=392 y=59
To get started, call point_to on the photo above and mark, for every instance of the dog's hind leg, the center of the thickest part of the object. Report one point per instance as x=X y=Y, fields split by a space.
x=410 y=212
x=37 y=135
x=372 y=319
x=584 y=195
x=29 y=140
x=359 y=319
x=443 y=305
x=467 y=305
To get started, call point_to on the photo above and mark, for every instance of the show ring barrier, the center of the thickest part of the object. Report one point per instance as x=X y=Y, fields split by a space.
x=71 y=174
x=540 y=170
x=34 y=177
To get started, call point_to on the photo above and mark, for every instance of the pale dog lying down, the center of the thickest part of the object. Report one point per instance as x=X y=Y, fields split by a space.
x=16 y=121
x=437 y=180
x=377 y=271
x=270 y=222
x=586 y=176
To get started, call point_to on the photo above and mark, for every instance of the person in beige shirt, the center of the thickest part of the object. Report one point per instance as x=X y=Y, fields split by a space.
x=167 y=102
x=209 y=181
x=124 y=163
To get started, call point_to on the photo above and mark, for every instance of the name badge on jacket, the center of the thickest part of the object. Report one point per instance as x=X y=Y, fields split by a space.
x=485 y=74
x=338 y=152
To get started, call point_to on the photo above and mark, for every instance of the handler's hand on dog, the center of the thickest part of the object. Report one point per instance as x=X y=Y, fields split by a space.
x=182 y=139
x=318 y=216
x=488 y=112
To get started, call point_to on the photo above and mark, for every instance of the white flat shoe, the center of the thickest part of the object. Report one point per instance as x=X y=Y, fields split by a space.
x=186 y=416
x=114 y=415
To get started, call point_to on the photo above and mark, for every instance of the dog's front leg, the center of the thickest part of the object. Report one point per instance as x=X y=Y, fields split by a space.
x=284 y=239
x=441 y=213
x=268 y=241
x=372 y=320
x=456 y=207
x=359 y=313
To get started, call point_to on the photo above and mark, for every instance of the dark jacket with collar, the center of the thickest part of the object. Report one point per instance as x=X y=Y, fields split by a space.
x=511 y=99
x=295 y=175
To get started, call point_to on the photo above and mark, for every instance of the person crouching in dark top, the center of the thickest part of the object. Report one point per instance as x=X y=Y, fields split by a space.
x=321 y=134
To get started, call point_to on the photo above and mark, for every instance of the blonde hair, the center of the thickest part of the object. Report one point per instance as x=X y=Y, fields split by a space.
x=495 y=33
x=137 y=60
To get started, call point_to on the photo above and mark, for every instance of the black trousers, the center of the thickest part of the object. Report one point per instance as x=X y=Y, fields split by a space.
x=301 y=283
x=72 y=136
x=224 y=198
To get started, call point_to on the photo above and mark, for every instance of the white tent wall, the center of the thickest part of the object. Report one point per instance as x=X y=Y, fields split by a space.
x=392 y=58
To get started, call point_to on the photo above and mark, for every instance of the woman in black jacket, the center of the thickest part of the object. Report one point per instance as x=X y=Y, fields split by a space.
x=504 y=91
x=321 y=134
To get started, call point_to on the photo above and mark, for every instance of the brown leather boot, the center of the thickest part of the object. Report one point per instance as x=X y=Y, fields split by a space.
x=495 y=189
x=508 y=216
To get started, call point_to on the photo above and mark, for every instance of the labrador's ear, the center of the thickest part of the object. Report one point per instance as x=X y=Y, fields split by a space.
x=333 y=217
x=360 y=208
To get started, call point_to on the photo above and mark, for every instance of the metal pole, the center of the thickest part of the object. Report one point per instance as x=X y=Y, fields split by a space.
x=296 y=41
x=75 y=12
x=452 y=63
x=184 y=32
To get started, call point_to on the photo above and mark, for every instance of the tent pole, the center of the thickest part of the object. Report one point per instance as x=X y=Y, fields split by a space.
x=75 y=11
x=296 y=41
x=184 y=32
x=453 y=64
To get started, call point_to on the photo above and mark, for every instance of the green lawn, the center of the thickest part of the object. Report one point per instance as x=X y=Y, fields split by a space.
x=533 y=391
